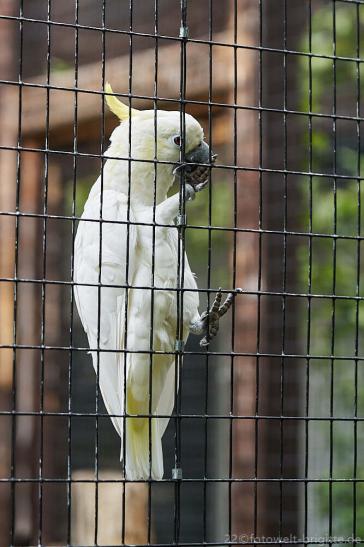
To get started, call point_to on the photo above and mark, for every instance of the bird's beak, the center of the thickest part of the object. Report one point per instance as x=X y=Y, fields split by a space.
x=200 y=154
x=195 y=173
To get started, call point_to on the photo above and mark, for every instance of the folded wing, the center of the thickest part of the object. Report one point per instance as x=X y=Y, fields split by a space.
x=103 y=264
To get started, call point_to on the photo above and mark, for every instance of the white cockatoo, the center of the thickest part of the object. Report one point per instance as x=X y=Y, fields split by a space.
x=118 y=260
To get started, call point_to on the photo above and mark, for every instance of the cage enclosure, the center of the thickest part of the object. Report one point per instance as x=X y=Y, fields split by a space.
x=265 y=438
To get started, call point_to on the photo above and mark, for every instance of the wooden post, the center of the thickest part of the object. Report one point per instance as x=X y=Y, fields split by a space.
x=28 y=333
x=281 y=378
x=55 y=446
x=109 y=510
x=7 y=224
x=247 y=261
x=257 y=447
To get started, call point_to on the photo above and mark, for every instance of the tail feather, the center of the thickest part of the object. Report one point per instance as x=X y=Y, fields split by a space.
x=143 y=459
x=106 y=368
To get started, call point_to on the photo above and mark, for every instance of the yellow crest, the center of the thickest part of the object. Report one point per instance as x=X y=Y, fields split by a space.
x=121 y=110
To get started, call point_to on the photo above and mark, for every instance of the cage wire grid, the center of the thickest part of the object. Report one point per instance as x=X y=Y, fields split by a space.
x=175 y=476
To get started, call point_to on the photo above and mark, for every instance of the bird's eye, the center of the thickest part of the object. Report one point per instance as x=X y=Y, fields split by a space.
x=177 y=140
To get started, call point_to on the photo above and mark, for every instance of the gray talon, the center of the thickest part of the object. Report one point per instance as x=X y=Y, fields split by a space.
x=211 y=318
x=189 y=192
x=201 y=186
x=227 y=304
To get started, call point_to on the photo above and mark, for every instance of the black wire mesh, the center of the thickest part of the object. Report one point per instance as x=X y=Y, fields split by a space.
x=265 y=441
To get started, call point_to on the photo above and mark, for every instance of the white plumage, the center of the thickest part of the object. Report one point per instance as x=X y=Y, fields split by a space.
x=125 y=253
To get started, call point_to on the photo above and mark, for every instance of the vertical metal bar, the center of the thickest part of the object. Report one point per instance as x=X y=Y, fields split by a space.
x=284 y=284
x=151 y=339
x=72 y=303
x=15 y=283
x=259 y=287
x=44 y=276
x=127 y=272
x=235 y=224
x=334 y=259
x=309 y=276
x=180 y=274
x=99 y=299
x=209 y=113
x=358 y=270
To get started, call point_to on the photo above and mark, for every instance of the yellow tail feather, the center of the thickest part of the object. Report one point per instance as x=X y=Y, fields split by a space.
x=142 y=460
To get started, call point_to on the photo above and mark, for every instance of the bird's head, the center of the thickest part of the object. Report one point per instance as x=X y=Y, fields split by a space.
x=149 y=135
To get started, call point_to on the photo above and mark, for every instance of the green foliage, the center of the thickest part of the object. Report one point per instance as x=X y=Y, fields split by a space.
x=198 y=239
x=326 y=41
x=60 y=65
x=82 y=189
x=335 y=263
x=342 y=507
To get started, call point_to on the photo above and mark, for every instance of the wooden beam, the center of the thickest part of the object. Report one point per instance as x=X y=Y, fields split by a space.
x=89 y=105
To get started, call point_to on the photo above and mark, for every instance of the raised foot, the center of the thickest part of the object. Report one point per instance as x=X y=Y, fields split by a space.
x=210 y=319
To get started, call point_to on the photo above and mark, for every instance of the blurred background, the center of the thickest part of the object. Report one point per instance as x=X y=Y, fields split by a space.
x=281 y=451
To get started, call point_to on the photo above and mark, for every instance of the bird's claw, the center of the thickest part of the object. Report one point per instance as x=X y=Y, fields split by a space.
x=201 y=185
x=190 y=192
x=211 y=318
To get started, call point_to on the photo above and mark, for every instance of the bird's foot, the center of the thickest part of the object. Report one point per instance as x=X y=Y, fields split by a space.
x=190 y=192
x=208 y=323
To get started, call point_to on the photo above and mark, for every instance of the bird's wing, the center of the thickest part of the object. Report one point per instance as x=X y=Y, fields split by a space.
x=102 y=308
